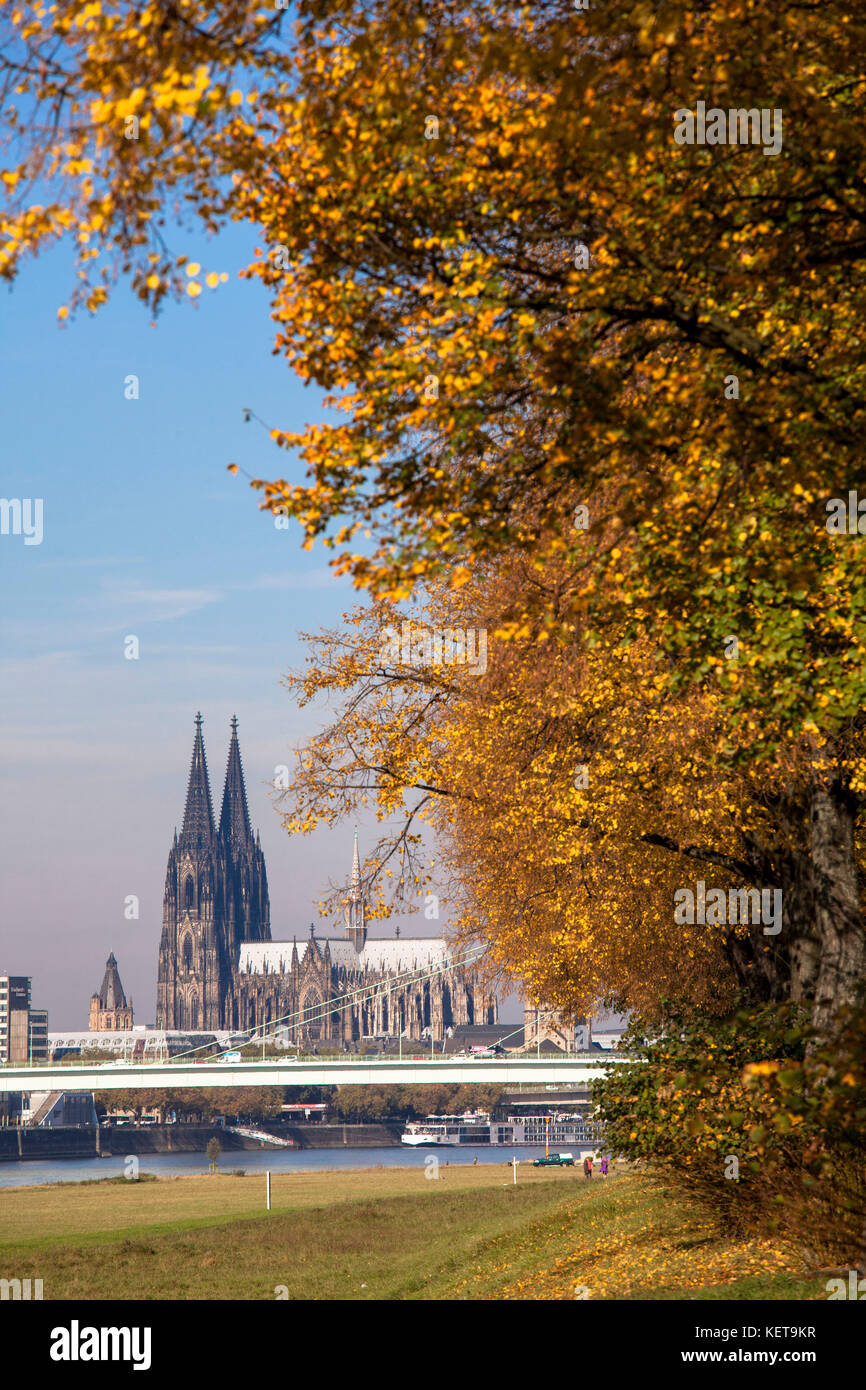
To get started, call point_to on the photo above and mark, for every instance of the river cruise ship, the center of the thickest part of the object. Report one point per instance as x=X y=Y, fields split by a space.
x=447 y=1129
x=557 y=1130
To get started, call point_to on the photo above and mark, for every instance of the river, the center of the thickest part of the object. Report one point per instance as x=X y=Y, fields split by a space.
x=37 y=1173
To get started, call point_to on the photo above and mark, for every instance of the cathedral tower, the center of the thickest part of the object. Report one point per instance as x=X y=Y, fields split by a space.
x=216 y=896
x=247 y=910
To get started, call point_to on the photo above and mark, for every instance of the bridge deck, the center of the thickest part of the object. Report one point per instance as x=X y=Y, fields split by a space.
x=305 y=1071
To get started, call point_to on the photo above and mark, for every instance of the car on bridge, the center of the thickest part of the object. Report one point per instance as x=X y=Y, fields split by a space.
x=554 y=1161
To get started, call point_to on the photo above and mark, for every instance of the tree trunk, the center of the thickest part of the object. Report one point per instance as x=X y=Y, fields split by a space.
x=759 y=964
x=838 y=916
x=799 y=926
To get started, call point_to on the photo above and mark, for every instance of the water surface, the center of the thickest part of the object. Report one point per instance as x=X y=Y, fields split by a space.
x=37 y=1172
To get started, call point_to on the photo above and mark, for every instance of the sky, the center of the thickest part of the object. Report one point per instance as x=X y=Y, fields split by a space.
x=145 y=534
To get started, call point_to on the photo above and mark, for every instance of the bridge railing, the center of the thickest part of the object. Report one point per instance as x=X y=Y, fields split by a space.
x=323 y=1059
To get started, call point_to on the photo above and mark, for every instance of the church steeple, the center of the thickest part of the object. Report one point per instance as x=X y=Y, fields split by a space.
x=355 y=886
x=198 y=813
x=234 y=817
x=356 y=907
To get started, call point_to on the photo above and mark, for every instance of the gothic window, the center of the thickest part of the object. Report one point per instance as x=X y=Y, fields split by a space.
x=447 y=1011
x=188 y=891
x=311 y=1013
x=187 y=952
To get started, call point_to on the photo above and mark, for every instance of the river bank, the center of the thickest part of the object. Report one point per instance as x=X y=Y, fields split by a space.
x=336 y=1162
x=39 y=1145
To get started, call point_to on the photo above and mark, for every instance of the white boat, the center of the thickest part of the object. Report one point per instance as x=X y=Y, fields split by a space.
x=450 y=1130
x=555 y=1131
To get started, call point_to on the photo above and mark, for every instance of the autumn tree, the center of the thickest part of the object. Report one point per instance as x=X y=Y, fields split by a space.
x=573 y=792
x=481 y=238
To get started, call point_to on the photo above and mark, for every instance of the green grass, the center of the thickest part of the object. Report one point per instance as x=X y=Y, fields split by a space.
x=387 y=1234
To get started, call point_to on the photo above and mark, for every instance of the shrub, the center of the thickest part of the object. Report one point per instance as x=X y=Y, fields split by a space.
x=758 y=1118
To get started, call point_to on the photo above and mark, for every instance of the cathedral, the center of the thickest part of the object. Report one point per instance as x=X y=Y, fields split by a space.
x=219 y=967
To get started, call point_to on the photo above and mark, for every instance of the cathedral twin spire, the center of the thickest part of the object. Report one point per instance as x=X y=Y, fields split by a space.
x=198 y=820
x=198 y=813
x=234 y=817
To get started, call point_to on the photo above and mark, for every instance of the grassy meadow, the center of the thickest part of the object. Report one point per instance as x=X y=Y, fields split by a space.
x=387 y=1234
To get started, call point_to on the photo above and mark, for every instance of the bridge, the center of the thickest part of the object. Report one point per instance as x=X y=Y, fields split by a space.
x=510 y=1070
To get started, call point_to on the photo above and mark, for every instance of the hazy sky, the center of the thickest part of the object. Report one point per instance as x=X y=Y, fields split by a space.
x=145 y=534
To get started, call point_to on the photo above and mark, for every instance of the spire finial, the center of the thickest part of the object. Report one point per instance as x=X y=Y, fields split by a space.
x=355 y=886
x=356 y=908
x=198 y=814
x=235 y=817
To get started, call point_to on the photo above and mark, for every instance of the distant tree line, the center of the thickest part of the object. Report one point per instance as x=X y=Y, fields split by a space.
x=411 y=1102
x=237 y=1103
x=251 y=1103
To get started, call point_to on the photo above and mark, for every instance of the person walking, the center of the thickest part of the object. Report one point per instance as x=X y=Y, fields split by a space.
x=587 y=1166
x=604 y=1166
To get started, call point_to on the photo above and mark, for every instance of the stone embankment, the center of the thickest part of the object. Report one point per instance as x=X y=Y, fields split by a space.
x=118 y=1140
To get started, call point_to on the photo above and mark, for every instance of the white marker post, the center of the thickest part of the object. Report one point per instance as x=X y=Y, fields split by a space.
x=514 y=1168
x=269 y=1190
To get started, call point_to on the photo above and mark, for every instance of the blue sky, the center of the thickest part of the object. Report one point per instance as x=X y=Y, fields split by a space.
x=145 y=534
